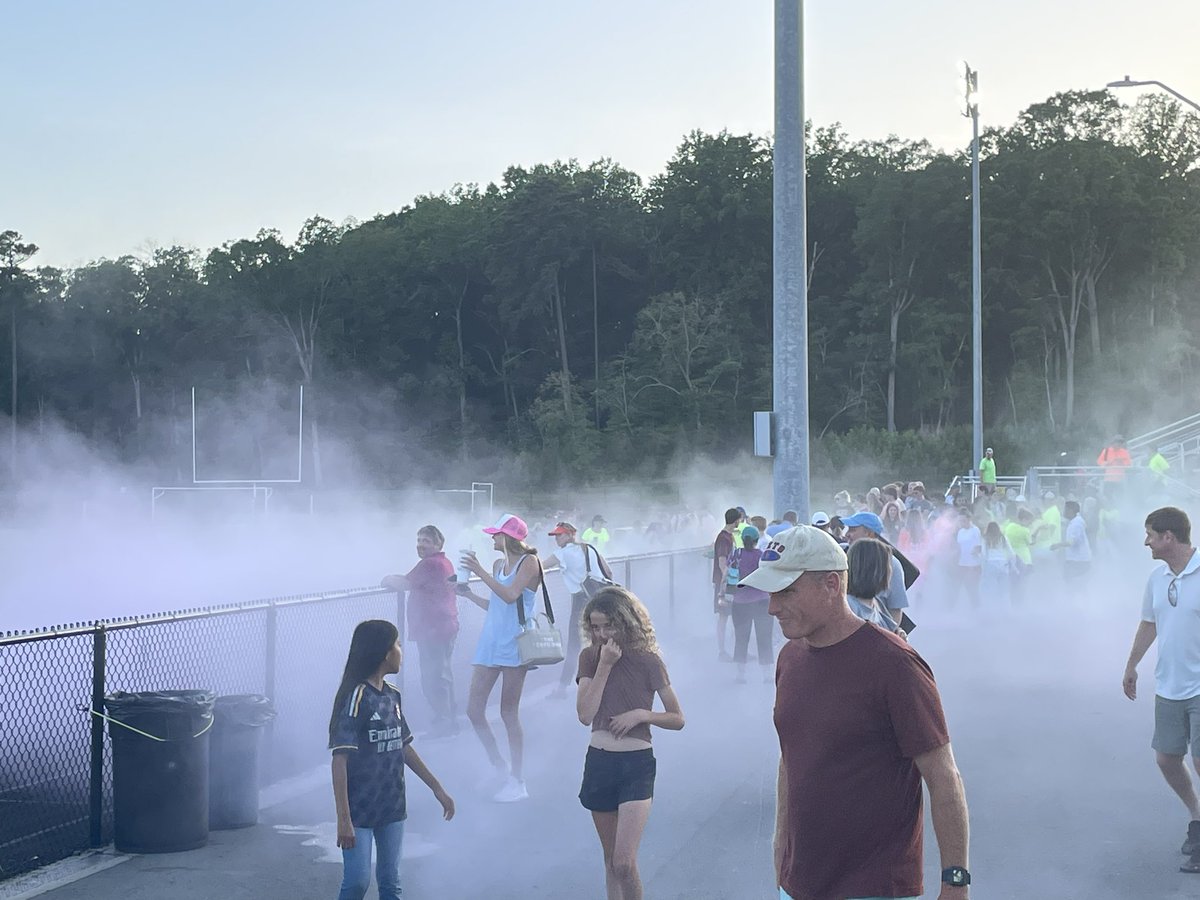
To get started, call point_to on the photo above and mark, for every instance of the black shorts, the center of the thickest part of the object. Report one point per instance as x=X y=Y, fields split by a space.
x=613 y=777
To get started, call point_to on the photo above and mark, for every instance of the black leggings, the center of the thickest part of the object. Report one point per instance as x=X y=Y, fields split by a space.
x=745 y=616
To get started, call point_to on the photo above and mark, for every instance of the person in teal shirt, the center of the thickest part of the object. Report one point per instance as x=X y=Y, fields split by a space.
x=987 y=472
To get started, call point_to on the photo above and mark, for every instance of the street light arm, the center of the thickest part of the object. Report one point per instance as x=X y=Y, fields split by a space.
x=1158 y=84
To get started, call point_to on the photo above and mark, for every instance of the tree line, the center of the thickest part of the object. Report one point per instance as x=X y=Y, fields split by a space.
x=576 y=323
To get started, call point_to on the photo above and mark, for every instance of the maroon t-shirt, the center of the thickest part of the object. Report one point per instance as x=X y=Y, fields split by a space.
x=722 y=547
x=432 y=603
x=850 y=718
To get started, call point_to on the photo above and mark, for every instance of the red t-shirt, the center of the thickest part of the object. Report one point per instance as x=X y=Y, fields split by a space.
x=850 y=718
x=432 y=603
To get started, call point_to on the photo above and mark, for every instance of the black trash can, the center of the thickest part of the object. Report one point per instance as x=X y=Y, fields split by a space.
x=233 y=761
x=160 y=769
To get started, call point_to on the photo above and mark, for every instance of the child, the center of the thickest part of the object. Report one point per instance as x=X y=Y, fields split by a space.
x=619 y=674
x=371 y=745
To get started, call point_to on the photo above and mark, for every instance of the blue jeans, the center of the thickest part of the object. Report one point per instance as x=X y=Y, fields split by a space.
x=356 y=863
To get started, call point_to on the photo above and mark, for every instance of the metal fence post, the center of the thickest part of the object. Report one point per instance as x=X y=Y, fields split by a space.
x=628 y=573
x=96 y=792
x=671 y=584
x=401 y=619
x=271 y=649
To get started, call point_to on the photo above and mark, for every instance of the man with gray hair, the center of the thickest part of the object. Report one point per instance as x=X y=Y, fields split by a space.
x=1170 y=607
x=860 y=725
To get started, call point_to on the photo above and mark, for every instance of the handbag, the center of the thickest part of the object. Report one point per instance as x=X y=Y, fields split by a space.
x=539 y=643
x=592 y=584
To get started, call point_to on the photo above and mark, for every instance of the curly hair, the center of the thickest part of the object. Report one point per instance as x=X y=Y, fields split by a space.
x=627 y=614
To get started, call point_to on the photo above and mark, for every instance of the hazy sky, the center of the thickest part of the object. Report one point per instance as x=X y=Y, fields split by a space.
x=129 y=125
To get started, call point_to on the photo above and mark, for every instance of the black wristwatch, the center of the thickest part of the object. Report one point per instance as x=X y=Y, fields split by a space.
x=956 y=876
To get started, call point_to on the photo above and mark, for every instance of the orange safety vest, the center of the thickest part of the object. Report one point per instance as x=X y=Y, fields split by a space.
x=1115 y=461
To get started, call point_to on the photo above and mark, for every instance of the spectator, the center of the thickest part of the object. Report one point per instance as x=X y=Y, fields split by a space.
x=749 y=611
x=1116 y=460
x=860 y=726
x=987 y=472
x=597 y=535
x=433 y=625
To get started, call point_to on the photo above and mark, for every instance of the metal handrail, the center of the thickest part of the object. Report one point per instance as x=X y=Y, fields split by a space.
x=1186 y=426
x=78 y=629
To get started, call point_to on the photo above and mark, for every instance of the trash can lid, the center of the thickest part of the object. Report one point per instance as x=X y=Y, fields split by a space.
x=160 y=701
x=244 y=709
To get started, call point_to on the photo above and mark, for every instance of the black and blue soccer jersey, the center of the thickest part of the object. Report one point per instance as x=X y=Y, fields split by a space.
x=372 y=732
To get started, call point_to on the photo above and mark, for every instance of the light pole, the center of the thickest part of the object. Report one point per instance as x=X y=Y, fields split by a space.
x=790 y=284
x=972 y=112
x=1158 y=84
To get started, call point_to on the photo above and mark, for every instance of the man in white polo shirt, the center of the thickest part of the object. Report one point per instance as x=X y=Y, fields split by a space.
x=1170 y=607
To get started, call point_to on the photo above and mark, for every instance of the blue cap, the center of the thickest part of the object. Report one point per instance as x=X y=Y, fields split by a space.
x=749 y=535
x=866 y=520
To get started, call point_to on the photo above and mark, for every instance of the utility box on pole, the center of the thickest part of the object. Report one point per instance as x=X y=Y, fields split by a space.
x=763 y=445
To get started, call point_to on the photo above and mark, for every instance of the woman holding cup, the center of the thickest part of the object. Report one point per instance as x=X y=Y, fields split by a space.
x=513 y=579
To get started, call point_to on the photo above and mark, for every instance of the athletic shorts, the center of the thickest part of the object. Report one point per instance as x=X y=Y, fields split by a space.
x=613 y=777
x=1176 y=726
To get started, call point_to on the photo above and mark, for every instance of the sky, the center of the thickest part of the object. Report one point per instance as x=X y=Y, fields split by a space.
x=133 y=124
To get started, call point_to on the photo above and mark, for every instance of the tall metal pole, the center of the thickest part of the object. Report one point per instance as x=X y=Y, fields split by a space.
x=790 y=301
x=976 y=277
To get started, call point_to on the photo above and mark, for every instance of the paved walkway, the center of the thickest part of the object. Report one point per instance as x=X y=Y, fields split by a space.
x=1065 y=799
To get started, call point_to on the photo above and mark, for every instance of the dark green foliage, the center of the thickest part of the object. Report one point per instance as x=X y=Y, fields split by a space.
x=576 y=325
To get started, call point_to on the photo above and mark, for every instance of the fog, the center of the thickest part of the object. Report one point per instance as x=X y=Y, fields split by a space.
x=1031 y=685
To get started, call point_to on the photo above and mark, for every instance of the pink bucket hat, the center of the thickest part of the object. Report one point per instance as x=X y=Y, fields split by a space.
x=511 y=525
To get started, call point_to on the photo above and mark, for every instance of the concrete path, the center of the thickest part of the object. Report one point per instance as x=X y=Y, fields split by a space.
x=1065 y=799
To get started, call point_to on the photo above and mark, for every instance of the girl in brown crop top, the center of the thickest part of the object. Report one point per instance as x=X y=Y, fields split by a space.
x=619 y=674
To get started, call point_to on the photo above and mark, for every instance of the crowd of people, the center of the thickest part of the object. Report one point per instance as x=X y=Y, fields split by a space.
x=857 y=711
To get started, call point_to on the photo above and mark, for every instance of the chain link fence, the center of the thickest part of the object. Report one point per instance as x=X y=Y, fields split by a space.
x=56 y=765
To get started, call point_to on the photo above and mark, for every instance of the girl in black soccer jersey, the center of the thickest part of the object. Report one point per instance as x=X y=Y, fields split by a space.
x=619 y=674
x=371 y=745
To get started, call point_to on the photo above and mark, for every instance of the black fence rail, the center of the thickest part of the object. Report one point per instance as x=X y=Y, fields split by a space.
x=56 y=766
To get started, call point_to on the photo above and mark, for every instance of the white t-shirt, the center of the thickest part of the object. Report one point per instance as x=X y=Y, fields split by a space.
x=1075 y=536
x=574 y=567
x=969 y=539
x=1177 y=672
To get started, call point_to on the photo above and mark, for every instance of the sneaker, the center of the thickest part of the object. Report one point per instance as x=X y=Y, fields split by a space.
x=512 y=791
x=1192 y=844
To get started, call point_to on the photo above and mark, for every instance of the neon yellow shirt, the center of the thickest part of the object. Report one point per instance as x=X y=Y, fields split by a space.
x=1159 y=466
x=987 y=471
x=1020 y=539
x=598 y=539
x=1053 y=534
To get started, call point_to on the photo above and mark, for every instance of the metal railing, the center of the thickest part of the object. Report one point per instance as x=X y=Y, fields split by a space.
x=55 y=764
x=1173 y=433
x=1010 y=484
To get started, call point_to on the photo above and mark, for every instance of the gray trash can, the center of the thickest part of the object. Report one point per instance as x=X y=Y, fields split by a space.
x=233 y=759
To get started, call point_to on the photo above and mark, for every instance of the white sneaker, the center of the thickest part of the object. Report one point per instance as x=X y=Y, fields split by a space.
x=512 y=791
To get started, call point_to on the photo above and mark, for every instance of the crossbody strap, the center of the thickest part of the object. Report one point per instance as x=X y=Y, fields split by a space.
x=545 y=595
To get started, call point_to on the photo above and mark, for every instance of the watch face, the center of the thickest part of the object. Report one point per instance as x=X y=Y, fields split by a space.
x=956 y=876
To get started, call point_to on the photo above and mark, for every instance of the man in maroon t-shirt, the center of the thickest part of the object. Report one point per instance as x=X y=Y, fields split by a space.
x=433 y=625
x=722 y=548
x=860 y=725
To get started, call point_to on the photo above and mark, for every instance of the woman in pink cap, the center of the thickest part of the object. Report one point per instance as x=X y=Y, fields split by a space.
x=512 y=580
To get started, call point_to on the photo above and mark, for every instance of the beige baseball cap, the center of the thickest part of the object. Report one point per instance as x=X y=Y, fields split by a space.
x=793 y=552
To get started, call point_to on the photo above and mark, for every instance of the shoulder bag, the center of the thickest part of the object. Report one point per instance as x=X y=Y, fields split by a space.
x=539 y=643
x=591 y=584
